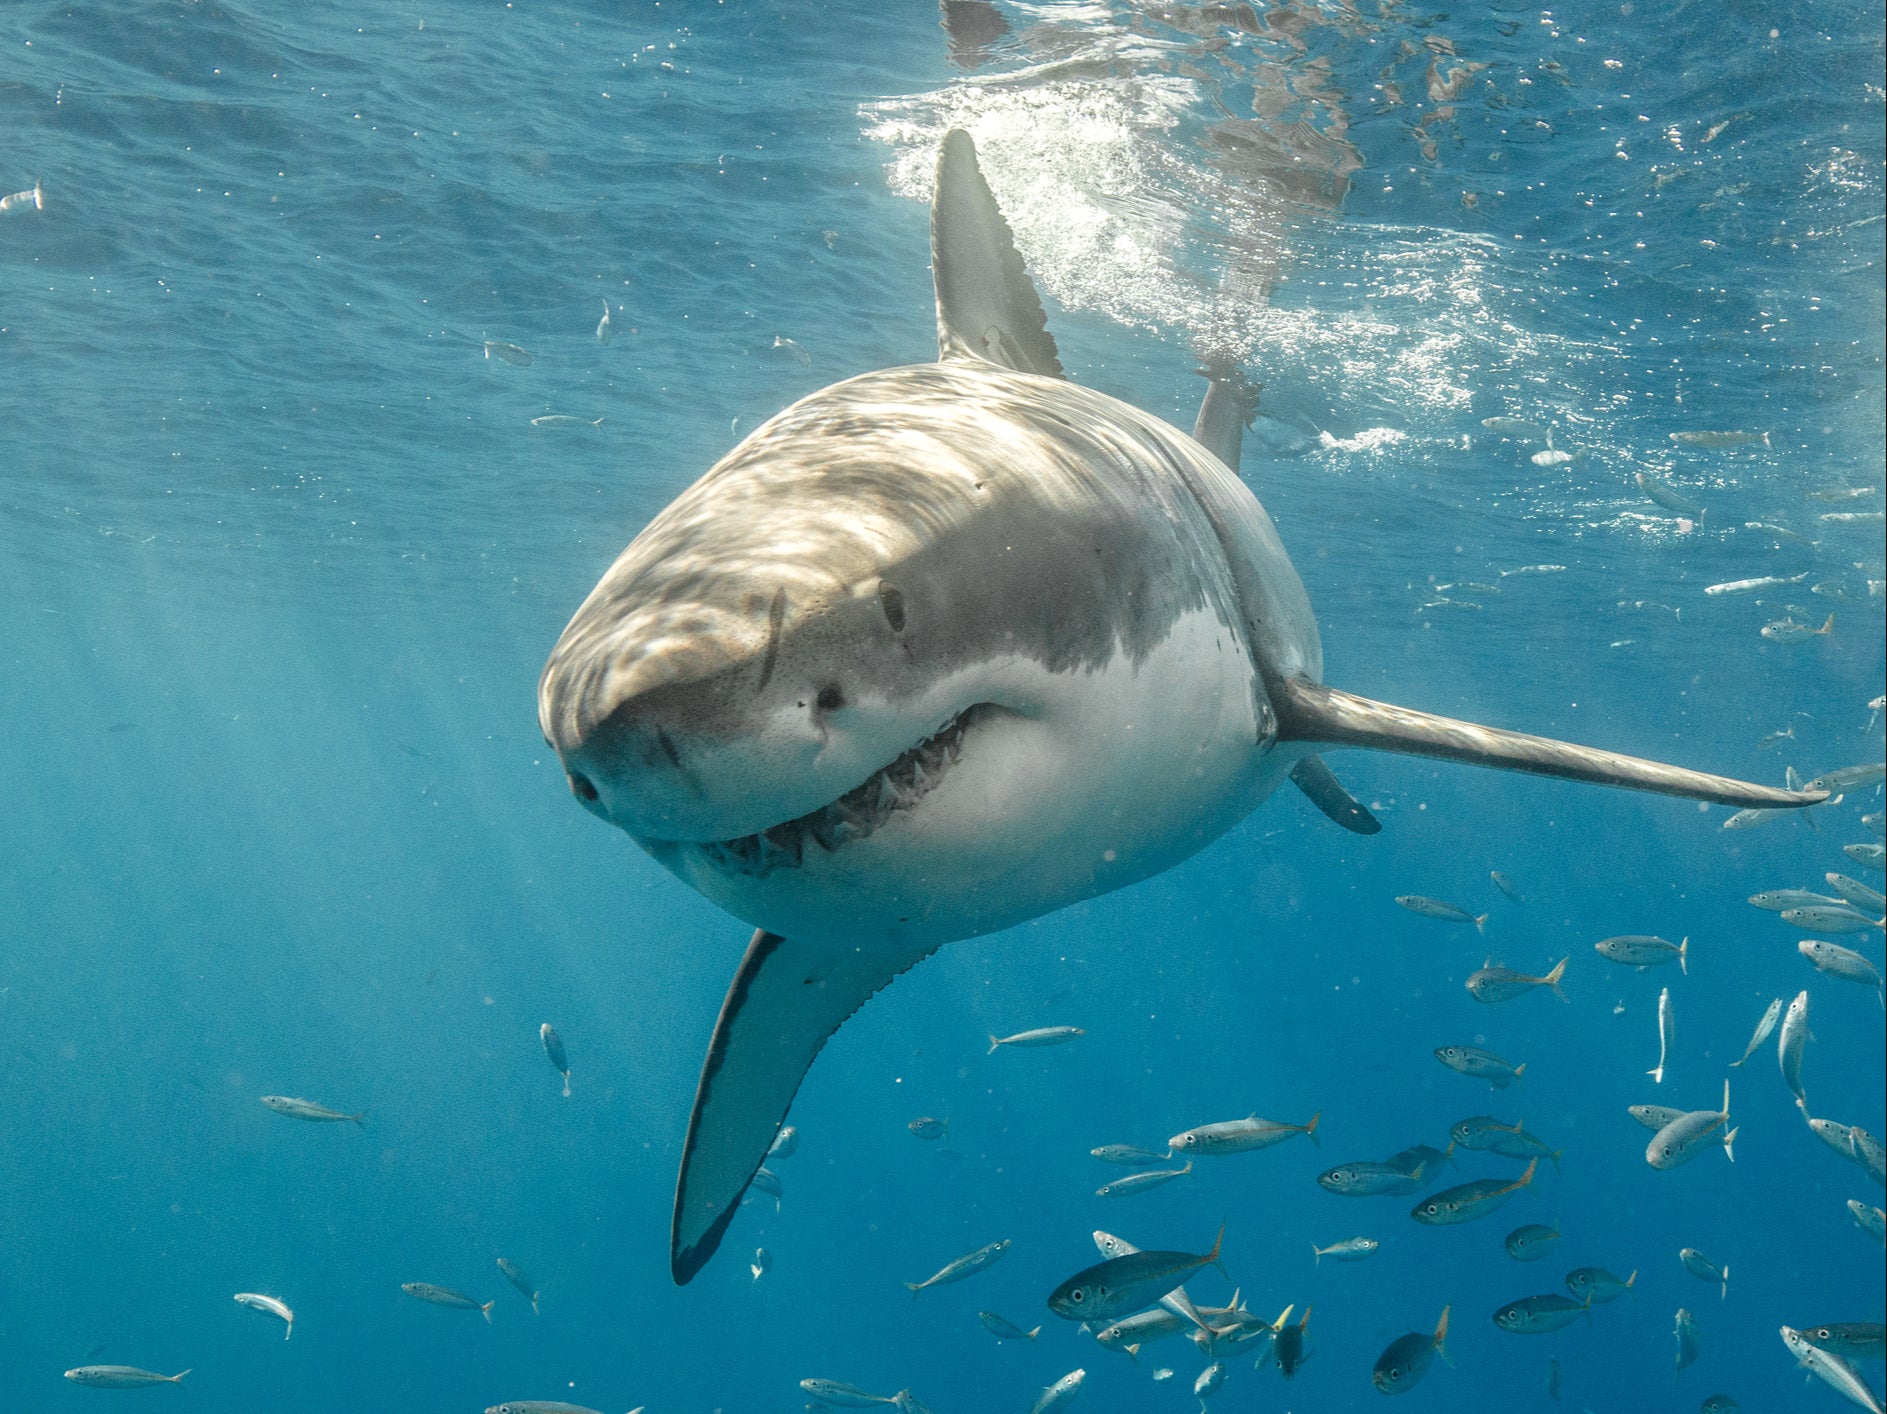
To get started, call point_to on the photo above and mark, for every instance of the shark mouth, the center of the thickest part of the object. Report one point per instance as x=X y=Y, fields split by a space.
x=856 y=814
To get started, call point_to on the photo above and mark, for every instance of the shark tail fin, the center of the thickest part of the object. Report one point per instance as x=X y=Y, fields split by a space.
x=987 y=307
x=1309 y=711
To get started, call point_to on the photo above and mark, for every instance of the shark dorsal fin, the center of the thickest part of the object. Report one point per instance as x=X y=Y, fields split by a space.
x=987 y=307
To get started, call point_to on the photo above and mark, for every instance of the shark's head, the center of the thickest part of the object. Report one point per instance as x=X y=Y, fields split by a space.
x=884 y=671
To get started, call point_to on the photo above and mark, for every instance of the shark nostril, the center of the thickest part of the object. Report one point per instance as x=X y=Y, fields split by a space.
x=831 y=698
x=582 y=787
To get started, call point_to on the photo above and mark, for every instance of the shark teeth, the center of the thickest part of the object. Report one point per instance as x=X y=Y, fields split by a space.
x=853 y=816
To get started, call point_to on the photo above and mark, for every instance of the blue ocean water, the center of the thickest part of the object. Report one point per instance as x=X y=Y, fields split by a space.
x=283 y=553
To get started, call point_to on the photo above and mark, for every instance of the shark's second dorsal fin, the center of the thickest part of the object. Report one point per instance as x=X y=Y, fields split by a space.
x=987 y=306
x=1309 y=711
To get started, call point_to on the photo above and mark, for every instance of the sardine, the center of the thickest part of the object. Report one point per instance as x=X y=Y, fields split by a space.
x=1771 y=1014
x=1749 y=586
x=1866 y=853
x=1667 y=1026
x=1506 y=885
x=309 y=1110
x=1717 y=441
x=1446 y=912
x=1704 y=1269
x=1057 y=1395
x=1847 y=778
x=1789 y=1044
x=1239 y=1136
x=1869 y=1219
x=1776 y=900
x=1825 y=918
x=1668 y=496
x=967 y=1265
x=1129 y=1155
x=270 y=1305
x=1844 y=963
x=446 y=1296
x=1855 y=892
x=1140 y=1182
x=1040 y=1036
x=841 y=1395
x=120 y=1377
x=1640 y=951
x=1654 y=1117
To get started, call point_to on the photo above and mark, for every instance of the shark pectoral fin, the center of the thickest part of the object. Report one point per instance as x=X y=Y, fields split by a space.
x=787 y=998
x=987 y=306
x=1231 y=400
x=1309 y=711
x=1326 y=792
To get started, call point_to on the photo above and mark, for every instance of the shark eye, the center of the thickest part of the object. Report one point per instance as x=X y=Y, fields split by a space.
x=831 y=698
x=581 y=786
x=892 y=602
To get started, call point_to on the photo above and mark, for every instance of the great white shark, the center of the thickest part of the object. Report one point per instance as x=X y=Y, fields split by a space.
x=946 y=647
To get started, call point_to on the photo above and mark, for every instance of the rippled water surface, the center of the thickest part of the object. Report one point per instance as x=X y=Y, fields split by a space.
x=285 y=538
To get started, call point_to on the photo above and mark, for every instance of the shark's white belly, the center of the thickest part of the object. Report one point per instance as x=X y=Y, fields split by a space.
x=1091 y=780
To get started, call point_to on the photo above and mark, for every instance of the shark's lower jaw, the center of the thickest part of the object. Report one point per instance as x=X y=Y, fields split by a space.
x=854 y=815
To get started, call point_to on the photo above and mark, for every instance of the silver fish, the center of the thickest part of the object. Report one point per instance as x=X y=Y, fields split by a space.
x=1854 y=517
x=1717 y=441
x=1057 y=1395
x=1491 y=984
x=761 y=1264
x=1240 y=1136
x=843 y=1396
x=1683 y=1138
x=1855 y=892
x=1132 y=1332
x=1536 y=1315
x=1668 y=496
x=515 y=1275
x=1596 y=1285
x=1554 y=456
x=766 y=1181
x=309 y=1110
x=1771 y=1014
x=269 y=1305
x=1787 y=630
x=1821 y=918
x=1748 y=586
x=1004 y=1329
x=1435 y=908
x=120 y=1377
x=1140 y=1182
x=1869 y=1219
x=1719 y=1404
x=1517 y=427
x=446 y=1296
x=603 y=327
x=1480 y=1132
x=1176 y=1301
x=967 y=1265
x=1836 y=494
x=553 y=1049
x=543 y=1406
x=1667 y=1026
x=785 y=1143
x=1467 y=1201
x=1654 y=1117
x=1506 y=885
x=1534 y=569
x=1350 y=1249
x=1040 y=1036
x=1832 y=1370
x=1531 y=1242
x=1704 y=1269
x=1129 y=1155
x=1779 y=532
x=929 y=1127
x=1836 y=1135
x=564 y=419
x=1775 y=900
x=1640 y=951
x=510 y=353
x=1844 y=963
x=1789 y=1044
x=1868 y=1153
x=1847 y=778
x=1866 y=853
x=1480 y=1064
x=1689 y=1346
